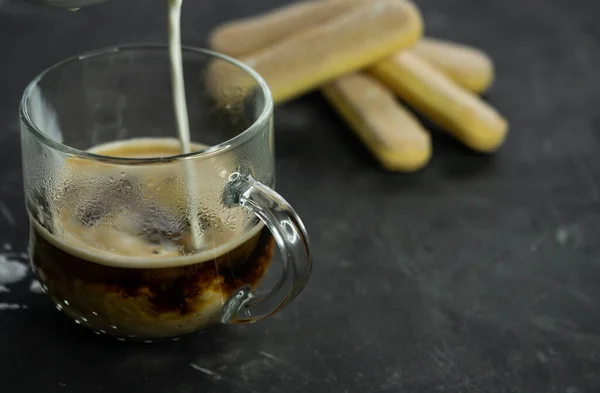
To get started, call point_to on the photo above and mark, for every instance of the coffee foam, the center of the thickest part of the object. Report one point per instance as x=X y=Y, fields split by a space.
x=123 y=249
x=143 y=148
x=84 y=251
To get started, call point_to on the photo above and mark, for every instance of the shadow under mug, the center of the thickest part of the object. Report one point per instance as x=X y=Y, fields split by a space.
x=133 y=239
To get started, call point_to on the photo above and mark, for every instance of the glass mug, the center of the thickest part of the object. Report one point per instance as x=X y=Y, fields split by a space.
x=128 y=236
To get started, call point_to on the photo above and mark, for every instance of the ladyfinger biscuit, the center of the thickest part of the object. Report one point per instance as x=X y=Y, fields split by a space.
x=359 y=37
x=466 y=65
x=443 y=101
x=248 y=35
x=391 y=133
x=470 y=67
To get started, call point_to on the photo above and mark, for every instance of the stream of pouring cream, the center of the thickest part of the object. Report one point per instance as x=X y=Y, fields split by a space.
x=181 y=116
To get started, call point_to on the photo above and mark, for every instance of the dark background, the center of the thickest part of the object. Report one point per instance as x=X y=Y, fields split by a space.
x=479 y=274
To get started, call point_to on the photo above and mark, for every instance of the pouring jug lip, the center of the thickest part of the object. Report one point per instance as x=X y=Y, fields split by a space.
x=69 y=4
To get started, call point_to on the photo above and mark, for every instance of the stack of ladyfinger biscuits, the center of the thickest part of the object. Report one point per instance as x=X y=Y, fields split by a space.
x=362 y=54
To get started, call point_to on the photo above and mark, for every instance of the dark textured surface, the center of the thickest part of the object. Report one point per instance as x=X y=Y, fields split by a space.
x=480 y=274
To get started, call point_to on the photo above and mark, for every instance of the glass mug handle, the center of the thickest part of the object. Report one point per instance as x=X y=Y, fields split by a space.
x=291 y=238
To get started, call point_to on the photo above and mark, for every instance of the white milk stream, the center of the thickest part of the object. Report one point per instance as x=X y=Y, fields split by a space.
x=181 y=116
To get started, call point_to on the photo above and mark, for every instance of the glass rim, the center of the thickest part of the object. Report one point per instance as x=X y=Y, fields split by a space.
x=211 y=151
